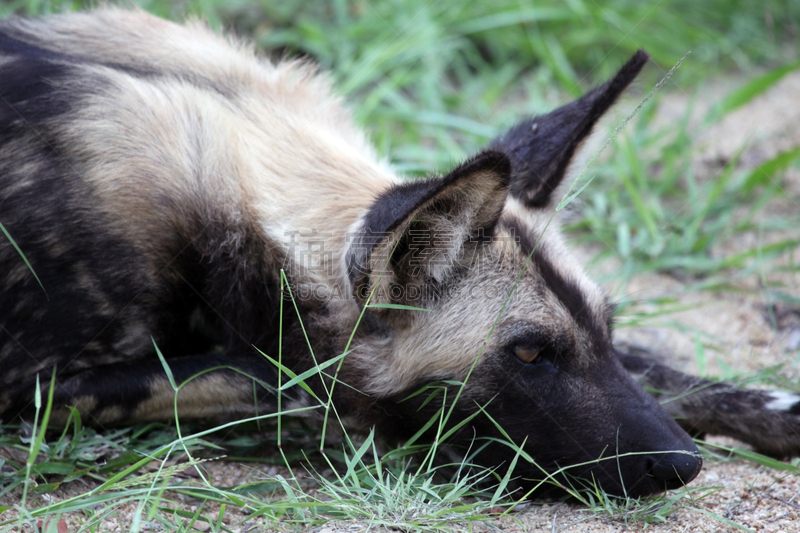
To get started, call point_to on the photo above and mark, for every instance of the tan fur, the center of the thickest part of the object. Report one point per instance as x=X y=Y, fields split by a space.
x=208 y=396
x=85 y=404
x=252 y=138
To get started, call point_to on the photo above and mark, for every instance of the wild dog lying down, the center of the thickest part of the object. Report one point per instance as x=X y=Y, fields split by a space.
x=158 y=178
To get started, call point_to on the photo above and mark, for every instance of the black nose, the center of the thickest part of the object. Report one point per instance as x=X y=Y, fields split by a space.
x=673 y=470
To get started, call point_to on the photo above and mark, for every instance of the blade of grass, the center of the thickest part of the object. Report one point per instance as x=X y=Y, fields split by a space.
x=764 y=173
x=749 y=91
x=25 y=259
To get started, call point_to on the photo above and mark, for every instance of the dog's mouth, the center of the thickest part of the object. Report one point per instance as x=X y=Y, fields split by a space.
x=630 y=475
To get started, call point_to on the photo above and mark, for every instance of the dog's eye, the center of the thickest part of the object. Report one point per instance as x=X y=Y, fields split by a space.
x=526 y=354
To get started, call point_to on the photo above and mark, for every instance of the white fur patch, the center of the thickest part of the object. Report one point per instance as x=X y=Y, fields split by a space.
x=782 y=401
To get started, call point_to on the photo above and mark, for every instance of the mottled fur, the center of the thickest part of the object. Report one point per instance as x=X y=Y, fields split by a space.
x=162 y=180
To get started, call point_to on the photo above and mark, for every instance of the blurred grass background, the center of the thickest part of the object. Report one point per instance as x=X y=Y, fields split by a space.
x=434 y=80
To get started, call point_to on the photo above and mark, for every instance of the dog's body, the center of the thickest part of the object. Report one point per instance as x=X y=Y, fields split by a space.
x=169 y=188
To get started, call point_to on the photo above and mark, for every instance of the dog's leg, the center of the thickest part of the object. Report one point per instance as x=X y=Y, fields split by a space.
x=769 y=421
x=217 y=386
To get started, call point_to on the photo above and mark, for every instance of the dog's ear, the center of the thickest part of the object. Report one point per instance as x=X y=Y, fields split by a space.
x=415 y=233
x=541 y=148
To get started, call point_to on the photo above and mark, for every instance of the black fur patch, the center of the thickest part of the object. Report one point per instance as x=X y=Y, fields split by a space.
x=30 y=95
x=90 y=275
x=12 y=45
x=568 y=293
x=42 y=62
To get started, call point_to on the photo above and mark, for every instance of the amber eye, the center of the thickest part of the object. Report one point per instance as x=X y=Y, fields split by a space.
x=526 y=354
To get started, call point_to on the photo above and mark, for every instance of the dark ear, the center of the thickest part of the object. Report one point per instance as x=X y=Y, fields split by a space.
x=541 y=148
x=416 y=233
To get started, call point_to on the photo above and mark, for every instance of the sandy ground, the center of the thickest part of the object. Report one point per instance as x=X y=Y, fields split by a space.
x=738 y=335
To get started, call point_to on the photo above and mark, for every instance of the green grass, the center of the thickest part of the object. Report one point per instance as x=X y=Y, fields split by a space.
x=665 y=218
x=432 y=82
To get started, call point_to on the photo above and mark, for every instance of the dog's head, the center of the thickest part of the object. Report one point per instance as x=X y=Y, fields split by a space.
x=466 y=279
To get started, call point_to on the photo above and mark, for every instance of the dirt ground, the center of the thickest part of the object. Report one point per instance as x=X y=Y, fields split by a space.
x=737 y=324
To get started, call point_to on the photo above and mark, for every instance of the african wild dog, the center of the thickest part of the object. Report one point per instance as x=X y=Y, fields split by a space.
x=159 y=179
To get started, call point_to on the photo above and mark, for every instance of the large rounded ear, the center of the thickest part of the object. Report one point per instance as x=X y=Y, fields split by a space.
x=418 y=233
x=541 y=148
